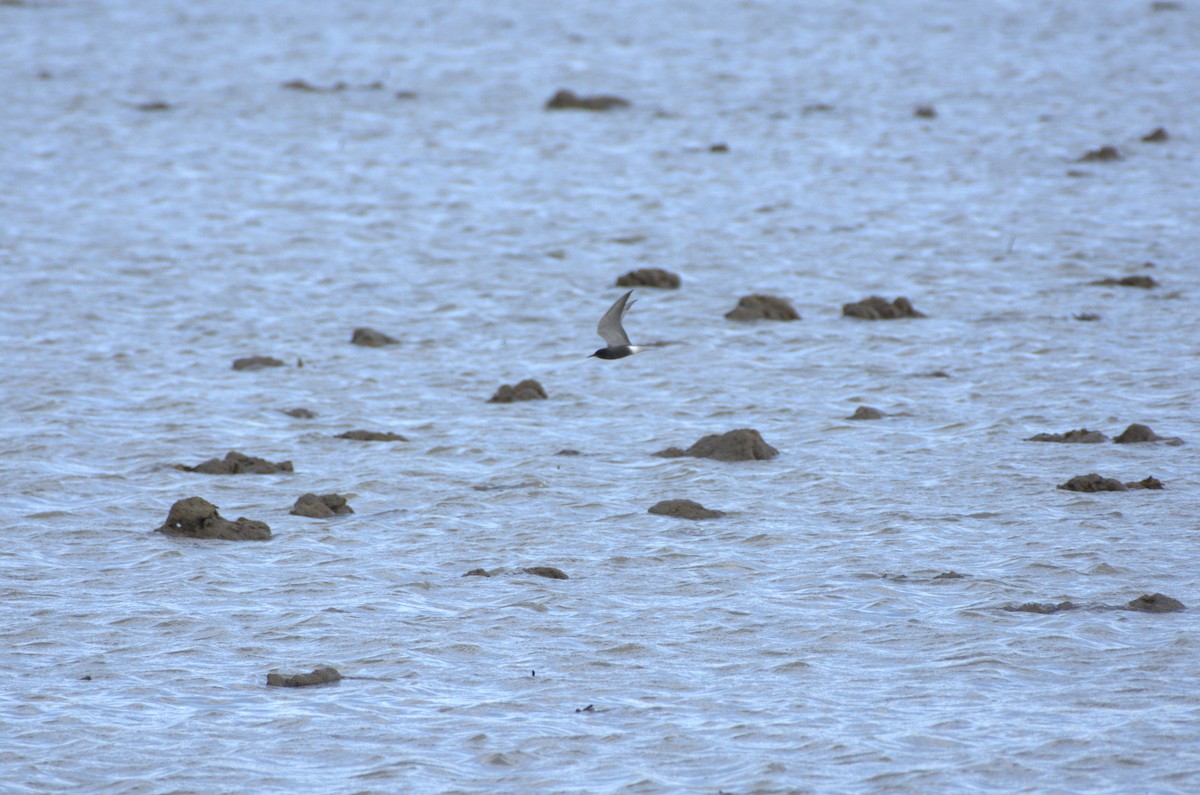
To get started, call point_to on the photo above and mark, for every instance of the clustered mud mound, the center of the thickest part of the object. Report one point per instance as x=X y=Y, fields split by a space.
x=236 y=463
x=744 y=444
x=524 y=390
x=866 y=413
x=1080 y=436
x=762 y=307
x=549 y=572
x=196 y=517
x=877 y=308
x=1136 y=433
x=650 y=277
x=1094 y=482
x=321 y=506
x=1146 y=603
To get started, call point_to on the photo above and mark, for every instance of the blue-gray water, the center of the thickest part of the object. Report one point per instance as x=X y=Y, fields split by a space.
x=141 y=252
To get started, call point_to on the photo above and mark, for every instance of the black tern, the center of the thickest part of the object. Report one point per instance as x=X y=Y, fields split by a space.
x=613 y=332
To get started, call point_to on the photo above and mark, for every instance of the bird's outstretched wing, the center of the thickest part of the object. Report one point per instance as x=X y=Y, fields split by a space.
x=610 y=327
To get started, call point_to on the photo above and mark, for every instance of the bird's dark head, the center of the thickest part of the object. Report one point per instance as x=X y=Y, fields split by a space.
x=603 y=353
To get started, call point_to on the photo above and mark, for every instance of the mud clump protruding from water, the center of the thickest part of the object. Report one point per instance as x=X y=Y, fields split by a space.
x=1145 y=483
x=333 y=88
x=1138 y=433
x=866 y=413
x=744 y=444
x=321 y=506
x=301 y=413
x=684 y=509
x=235 y=463
x=925 y=112
x=549 y=572
x=1137 y=280
x=566 y=99
x=1042 y=607
x=878 y=308
x=1155 y=603
x=762 y=307
x=371 y=338
x=650 y=277
x=950 y=575
x=372 y=436
x=1146 y=603
x=256 y=363
x=1079 y=436
x=196 y=517
x=1105 y=154
x=1093 y=482
x=1158 y=136
x=321 y=675
x=524 y=390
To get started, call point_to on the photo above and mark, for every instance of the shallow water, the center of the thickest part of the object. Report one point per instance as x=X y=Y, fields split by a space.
x=143 y=251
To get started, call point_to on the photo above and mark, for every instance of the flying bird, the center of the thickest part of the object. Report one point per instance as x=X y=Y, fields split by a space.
x=613 y=332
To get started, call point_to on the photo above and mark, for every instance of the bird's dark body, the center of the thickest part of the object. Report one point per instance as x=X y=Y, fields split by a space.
x=619 y=352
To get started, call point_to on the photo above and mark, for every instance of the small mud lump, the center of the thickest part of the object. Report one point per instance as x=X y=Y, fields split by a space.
x=256 y=363
x=762 y=307
x=236 y=463
x=866 y=413
x=1080 y=436
x=525 y=390
x=1155 y=603
x=684 y=509
x=372 y=436
x=1042 y=607
x=744 y=444
x=1137 y=433
x=196 y=517
x=650 y=277
x=1104 y=154
x=565 y=99
x=1145 y=483
x=878 y=308
x=478 y=573
x=321 y=506
x=1092 y=482
x=546 y=571
x=1144 y=282
x=321 y=675
x=372 y=338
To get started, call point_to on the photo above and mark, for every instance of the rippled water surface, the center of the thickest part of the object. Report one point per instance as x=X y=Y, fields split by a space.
x=805 y=642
